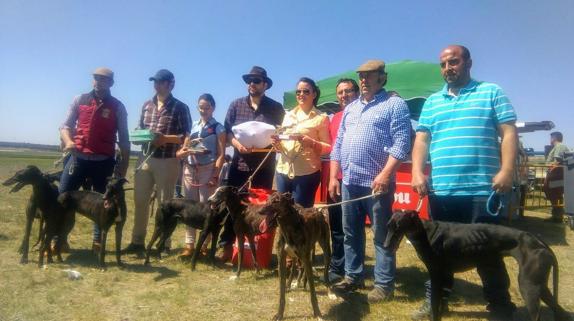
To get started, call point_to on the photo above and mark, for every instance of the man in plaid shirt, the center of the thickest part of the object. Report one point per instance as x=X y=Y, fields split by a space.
x=254 y=107
x=373 y=138
x=164 y=115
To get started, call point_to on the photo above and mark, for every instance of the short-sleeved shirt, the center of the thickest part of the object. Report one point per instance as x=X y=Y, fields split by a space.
x=240 y=111
x=122 y=126
x=172 y=119
x=333 y=130
x=296 y=160
x=208 y=132
x=557 y=151
x=464 y=148
x=368 y=134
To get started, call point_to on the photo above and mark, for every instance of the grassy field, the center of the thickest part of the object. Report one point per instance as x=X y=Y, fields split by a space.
x=168 y=290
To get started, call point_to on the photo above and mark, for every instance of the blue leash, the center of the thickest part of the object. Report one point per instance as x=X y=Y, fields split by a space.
x=500 y=204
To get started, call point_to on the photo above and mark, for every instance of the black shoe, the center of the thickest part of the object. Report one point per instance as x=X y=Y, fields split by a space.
x=424 y=312
x=134 y=248
x=347 y=286
x=501 y=312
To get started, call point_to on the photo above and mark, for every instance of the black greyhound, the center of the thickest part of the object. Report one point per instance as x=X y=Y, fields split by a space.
x=43 y=204
x=191 y=213
x=446 y=248
x=104 y=209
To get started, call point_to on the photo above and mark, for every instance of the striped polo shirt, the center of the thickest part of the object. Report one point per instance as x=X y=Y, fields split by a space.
x=464 y=148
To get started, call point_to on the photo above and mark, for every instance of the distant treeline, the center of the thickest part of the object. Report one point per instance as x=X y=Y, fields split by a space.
x=47 y=148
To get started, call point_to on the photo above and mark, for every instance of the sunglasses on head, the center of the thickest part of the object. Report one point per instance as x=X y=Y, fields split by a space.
x=256 y=81
x=302 y=92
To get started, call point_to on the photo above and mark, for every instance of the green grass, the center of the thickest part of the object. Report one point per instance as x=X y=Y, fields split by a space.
x=168 y=290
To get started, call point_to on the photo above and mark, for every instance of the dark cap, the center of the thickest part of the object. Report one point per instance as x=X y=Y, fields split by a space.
x=162 y=75
x=372 y=65
x=105 y=72
x=257 y=71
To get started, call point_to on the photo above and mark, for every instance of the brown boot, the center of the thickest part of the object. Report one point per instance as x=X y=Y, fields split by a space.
x=187 y=251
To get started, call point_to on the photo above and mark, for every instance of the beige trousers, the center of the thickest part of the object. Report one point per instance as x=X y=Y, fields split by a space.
x=195 y=187
x=158 y=173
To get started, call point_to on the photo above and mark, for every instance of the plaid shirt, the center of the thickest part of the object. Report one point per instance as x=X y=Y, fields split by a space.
x=240 y=111
x=368 y=134
x=172 y=119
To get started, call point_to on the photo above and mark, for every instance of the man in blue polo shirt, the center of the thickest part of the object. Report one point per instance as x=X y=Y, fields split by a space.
x=460 y=128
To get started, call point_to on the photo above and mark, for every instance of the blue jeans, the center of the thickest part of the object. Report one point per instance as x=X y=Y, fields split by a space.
x=337 y=266
x=77 y=171
x=302 y=187
x=379 y=210
x=472 y=209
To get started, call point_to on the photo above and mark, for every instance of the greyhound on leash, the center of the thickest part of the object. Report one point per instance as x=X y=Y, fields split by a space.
x=446 y=248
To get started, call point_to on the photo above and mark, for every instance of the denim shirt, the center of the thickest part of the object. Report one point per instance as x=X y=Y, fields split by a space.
x=208 y=133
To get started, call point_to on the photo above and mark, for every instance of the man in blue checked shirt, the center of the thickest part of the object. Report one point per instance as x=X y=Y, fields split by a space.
x=459 y=128
x=373 y=139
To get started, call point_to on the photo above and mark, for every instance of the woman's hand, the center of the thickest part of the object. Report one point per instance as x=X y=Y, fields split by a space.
x=276 y=142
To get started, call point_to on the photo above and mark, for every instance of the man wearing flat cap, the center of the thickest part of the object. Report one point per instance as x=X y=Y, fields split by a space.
x=158 y=167
x=256 y=106
x=373 y=138
x=94 y=122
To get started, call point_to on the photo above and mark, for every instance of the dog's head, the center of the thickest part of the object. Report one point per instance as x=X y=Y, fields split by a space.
x=27 y=176
x=114 y=191
x=224 y=194
x=401 y=223
x=275 y=206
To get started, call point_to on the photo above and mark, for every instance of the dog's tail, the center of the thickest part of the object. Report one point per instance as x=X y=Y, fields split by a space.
x=555 y=273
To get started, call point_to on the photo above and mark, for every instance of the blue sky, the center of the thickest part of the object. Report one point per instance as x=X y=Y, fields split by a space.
x=49 y=48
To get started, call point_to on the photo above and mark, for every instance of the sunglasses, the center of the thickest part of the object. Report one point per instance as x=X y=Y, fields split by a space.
x=256 y=81
x=302 y=92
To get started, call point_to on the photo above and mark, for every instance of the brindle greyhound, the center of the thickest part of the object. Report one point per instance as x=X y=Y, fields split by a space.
x=104 y=209
x=191 y=213
x=446 y=248
x=245 y=217
x=299 y=229
x=43 y=204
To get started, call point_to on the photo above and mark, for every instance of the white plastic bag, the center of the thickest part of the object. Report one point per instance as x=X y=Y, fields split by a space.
x=254 y=134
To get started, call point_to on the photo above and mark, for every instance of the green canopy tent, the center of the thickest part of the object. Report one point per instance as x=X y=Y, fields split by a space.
x=414 y=81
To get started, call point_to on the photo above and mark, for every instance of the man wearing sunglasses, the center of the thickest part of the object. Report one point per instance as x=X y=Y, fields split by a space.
x=256 y=106
x=373 y=138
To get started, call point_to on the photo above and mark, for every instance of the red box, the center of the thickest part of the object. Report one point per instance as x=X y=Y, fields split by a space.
x=405 y=196
x=263 y=250
x=263 y=242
